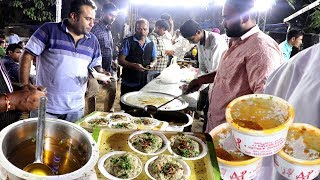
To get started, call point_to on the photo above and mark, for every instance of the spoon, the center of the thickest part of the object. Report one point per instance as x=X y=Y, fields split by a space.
x=151 y=109
x=38 y=167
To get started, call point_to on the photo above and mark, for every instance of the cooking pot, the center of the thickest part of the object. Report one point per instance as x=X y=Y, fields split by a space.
x=68 y=148
x=178 y=121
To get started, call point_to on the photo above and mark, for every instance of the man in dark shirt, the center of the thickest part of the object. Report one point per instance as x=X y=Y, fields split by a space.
x=13 y=103
x=102 y=30
x=11 y=61
x=137 y=55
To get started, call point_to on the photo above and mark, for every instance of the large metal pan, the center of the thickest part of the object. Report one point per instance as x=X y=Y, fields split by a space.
x=139 y=99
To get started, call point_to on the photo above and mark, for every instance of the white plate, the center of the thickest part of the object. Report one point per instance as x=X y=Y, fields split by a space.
x=201 y=155
x=105 y=172
x=134 y=126
x=162 y=136
x=133 y=99
x=186 y=168
x=127 y=117
x=154 y=122
x=88 y=119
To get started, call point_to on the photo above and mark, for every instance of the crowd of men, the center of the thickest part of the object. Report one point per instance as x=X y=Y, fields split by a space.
x=66 y=51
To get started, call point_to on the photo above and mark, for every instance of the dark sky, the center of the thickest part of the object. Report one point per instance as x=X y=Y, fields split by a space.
x=280 y=11
x=276 y=15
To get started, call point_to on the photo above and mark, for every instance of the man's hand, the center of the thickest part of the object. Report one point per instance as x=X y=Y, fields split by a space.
x=114 y=65
x=25 y=100
x=33 y=87
x=107 y=79
x=138 y=67
x=169 y=52
x=193 y=86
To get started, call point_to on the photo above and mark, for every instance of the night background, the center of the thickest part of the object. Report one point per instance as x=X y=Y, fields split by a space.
x=208 y=17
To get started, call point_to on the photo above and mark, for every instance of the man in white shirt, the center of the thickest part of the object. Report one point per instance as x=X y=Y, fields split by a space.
x=211 y=48
x=297 y=81
x=13 y=38
x=167 y=37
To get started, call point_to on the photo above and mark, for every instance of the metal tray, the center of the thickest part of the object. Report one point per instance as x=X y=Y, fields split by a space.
x=132 y=99
x=205 y=168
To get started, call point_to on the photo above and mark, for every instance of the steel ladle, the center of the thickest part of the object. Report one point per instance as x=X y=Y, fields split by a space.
x=38 y=167
x=151 y=109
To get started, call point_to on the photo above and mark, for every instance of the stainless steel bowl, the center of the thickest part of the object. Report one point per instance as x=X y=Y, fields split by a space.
x=68 y=148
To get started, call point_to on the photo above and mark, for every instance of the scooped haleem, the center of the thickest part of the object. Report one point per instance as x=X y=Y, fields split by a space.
x=185 y=146
x=166 y=168
x=225 y=147
x=302 y=143
x=123 y=166
x=147 y=142
x=259 y=113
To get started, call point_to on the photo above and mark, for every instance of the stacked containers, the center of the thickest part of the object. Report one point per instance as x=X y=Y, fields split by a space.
x=259 y=125
x=251 y=137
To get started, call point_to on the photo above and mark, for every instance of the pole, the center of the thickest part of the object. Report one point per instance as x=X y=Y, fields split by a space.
x=58 y=10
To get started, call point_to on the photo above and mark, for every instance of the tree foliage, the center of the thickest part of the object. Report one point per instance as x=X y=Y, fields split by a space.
x=312 y=17
x=315 y=16
x=37 y=10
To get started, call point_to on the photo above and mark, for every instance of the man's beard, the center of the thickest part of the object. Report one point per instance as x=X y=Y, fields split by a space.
x=235 y=31
x=139 y=36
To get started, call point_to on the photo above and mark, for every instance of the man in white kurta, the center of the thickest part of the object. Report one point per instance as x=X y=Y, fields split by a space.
x=211 y=48
x=298 y=82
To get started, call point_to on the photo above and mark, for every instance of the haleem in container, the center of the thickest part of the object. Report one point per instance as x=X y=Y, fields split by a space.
x=259 y=123
x=300 y=156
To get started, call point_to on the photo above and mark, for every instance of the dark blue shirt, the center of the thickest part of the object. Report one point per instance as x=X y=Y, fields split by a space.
x=12 y=69
x=126 y=47
x=104 y=37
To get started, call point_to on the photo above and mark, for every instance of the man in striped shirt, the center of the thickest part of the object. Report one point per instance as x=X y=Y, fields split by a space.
x=64 y=53
x=162 y=55
x=102 y=30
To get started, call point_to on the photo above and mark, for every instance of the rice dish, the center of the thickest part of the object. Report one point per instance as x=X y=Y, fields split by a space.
x=123 y=166
x=166 y=168
x=144 y=121
x=118 y=117
x=98 y=121
x=123 y=126
x=147 y=142
x=184 y=146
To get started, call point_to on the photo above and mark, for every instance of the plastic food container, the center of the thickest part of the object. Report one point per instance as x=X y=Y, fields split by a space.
x=298 y=167
x=265 y=141
x=246 y=169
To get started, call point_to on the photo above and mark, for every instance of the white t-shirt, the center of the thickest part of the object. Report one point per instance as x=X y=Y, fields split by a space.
x=298 y=82
x=167 y=37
